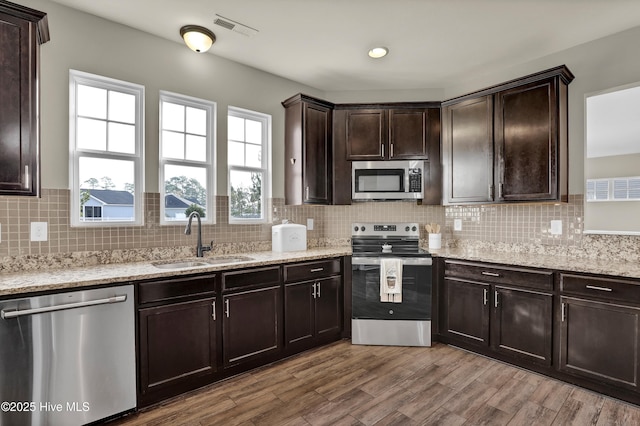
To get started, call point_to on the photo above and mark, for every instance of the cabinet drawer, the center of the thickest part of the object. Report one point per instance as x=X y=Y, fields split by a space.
x=609 y=288
x=251 y=278
x=311 y=270
x=521 y=277
x=174 y=288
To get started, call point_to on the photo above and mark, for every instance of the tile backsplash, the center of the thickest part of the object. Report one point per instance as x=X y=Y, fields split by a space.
x=513 y=227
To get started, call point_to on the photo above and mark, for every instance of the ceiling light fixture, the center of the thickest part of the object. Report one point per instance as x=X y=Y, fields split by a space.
x=378 y=52
x=199 y=39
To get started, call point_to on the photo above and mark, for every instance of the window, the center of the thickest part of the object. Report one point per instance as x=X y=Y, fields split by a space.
x=106 y=133
x=187 y=147
x=613 y=189
x=249 y=152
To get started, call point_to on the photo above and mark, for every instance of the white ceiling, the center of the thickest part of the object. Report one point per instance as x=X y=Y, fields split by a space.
x=433 y=43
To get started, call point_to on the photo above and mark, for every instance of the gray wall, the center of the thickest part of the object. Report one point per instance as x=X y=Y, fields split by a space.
x=87 y=43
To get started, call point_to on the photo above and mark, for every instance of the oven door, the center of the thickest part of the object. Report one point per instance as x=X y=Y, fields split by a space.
x=416 y=290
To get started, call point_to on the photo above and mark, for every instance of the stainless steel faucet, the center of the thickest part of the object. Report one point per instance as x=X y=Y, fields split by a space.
x=200 y=249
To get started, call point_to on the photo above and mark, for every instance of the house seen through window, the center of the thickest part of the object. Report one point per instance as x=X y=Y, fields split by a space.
x=106 y=145
x=249 y=135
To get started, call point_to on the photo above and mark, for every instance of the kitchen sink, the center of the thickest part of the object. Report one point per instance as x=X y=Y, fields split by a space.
x=206 y=261
x=227 y=259
x=180 y=264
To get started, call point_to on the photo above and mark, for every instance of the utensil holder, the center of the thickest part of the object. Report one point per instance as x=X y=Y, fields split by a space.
x=435 y=241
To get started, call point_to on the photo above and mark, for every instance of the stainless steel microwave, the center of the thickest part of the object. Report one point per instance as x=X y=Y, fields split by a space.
x=387 y=180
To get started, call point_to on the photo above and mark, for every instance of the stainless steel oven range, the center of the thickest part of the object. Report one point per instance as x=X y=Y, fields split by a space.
x=391 y=285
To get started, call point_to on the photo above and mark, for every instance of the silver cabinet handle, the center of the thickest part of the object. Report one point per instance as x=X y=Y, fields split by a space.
x=293 y=161
x=319 y=289
x=563 y=312
x=306 y=193
x=382 y=147
x=485 y=297
x=495 y=299
x=18 y=313
x=490 y=274
x=500 y=190
x=317 y=269
x=27 y=181
x=226 y=307
x=391 y=151
x=595 y=287
x=213 y=310
x=314 y=290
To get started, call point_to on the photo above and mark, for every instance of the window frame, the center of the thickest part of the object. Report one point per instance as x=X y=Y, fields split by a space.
x=75 y=153
x=266 y=168
x=209 y=164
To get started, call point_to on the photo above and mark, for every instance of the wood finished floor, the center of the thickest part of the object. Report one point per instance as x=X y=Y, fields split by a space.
x=344 y=384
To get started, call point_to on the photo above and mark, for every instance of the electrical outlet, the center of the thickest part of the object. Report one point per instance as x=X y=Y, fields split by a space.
x=556 y=227
x=457 y=224
x=38 y=231
x=309 y=224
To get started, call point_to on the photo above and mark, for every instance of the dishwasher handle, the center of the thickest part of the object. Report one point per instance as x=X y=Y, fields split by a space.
x=19 y=313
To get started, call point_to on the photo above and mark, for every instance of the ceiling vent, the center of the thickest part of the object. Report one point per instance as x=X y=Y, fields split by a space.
x=234 y=26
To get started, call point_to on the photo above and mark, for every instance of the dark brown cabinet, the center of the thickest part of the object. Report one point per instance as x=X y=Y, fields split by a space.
x=508 y=143
x=308 y=151
x=389 y=133
x=599 y=332
x=177 y=338
x=312 y=307
x=503 y=309
x=22 y=30
x=467 y=134
x=252 y=315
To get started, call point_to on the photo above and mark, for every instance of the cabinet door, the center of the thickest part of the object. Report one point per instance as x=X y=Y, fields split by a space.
x=522 y=324
x=299 y=321
x=408 y=138
x=177 y=344
x=466 y=310
x=600 y=341
x=366 y=134
x=251 y=325
x=19 y=161
x=526 y=140
x=328 y=306
x=468 y=151
x=317 y=154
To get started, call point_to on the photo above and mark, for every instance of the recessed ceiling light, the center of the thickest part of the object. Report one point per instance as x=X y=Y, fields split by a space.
x=378 y=52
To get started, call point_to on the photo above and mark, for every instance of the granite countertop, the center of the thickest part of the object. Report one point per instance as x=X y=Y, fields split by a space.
x=56 y=279
x=68 y=278
x=535 y=260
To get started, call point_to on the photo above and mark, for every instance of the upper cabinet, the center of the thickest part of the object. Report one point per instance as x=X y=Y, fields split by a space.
x=388 y=133
x=308 y=150
x=22 y=30
x=508 y=143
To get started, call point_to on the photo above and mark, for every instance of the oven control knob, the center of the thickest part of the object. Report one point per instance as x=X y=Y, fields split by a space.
x=413 y=228
x=356 y=229
x=406 y=229
x=390 y=311
x=363 y=228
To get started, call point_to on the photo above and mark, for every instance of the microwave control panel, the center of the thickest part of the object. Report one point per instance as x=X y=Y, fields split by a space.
x=415 y=180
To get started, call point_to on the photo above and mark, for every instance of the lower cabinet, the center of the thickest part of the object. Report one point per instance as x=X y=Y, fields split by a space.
x=599 y=332
x=499 y=309
x=313 y=308
x=252 y=319
x=251 y=325
x=177 y=336
x=196 y=329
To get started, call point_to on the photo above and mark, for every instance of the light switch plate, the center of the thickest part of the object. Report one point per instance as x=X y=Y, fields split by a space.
x=457 y=224
x=556 y=227
x=38 y=231
x=309 y=224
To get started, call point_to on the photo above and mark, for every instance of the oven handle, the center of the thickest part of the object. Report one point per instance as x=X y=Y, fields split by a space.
x=409 y=261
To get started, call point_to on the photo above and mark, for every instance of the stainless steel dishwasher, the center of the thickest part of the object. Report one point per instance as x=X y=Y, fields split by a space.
x=67 y=358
